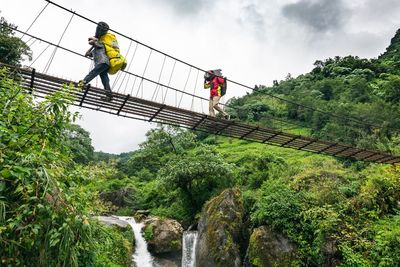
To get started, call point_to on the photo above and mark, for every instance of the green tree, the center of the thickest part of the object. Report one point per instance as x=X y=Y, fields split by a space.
x=156 y=151
x=197 y=175
x=79 y=143
x=12 y=49
x=44 y=212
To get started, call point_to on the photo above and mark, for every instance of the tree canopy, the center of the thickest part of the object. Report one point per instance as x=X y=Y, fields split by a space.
x=12 y=49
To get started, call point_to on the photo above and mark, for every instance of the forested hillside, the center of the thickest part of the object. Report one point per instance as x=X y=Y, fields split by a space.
x=344 y=99
x=334 y=212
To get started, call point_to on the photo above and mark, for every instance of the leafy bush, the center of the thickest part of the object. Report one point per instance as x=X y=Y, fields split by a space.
x=386 y=251
x=253 y=170
x=278 y=206
x=197 y=176
x=112 y=246
x=43 y=210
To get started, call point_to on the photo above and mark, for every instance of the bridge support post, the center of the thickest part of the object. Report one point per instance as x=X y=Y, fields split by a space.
x=123 y=104
x=32 y=81
x=269 y=138
x=288 y=142
x=307 y=144
x=327 y=147
x=229 y=124
x=199 y=122
x=158 y=111
x=84 y=94
x=250 y=132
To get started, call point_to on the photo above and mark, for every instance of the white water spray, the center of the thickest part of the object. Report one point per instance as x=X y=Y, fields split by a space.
x=189 y=249
x=141 y=257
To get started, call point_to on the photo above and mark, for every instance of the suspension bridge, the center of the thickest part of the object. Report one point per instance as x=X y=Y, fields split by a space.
x=154 y=96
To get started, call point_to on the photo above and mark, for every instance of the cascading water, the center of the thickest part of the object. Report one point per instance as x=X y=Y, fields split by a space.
x=141 y=257
x=189 y=248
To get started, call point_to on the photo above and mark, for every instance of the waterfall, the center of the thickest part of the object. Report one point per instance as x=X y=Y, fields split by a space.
x=141 y=257
x=189 y=248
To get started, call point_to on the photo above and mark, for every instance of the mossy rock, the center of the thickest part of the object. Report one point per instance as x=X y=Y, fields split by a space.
x=220 y=230
x=267 y=248
x=163 y=235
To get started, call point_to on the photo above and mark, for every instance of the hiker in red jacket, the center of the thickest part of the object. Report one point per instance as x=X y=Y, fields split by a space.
x=213 y=82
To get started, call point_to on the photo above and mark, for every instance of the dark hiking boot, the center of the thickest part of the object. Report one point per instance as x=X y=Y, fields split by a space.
x=81 y=84
x=106 y=98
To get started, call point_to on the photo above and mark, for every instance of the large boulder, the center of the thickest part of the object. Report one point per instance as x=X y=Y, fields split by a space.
x=117 y=198
x=220 y=231
x=163 y=235
x=332 y=255
x=267 y=248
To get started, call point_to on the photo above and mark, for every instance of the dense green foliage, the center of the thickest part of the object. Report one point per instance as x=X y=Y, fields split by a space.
x=345 y=213
x=343 y=99
x=44 y=210
x=12 y=49
x=51 y=181
x=314 y=200
x=172 y=174
x=80 y=144
x=112 y=246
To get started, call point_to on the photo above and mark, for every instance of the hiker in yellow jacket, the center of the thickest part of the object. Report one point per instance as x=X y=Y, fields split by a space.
x=101 y=60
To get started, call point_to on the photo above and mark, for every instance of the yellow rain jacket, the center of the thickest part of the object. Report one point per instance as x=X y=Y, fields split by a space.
x=117 y=61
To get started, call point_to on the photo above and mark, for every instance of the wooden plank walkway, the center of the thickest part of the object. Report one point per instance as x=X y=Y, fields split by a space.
x=136 y=108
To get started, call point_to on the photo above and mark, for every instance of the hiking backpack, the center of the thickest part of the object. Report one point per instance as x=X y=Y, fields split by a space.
x=117 y=61
x=218 y=73
x=223 y=87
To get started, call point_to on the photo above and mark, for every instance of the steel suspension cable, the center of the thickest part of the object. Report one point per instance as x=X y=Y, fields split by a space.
x=24 y=32
x=184 y=88
x=120 y=73
x=169 y=82
x=129 y=67
x=36 y=18
x=40 y=55
x=127 y=37
x=81 y=55
x=144 y=71
x=155 y=93
x=194 y=89
x=137 y=76
x=59 y=42
x=348 y=118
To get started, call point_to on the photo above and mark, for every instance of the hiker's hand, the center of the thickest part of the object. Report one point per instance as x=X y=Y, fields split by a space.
x=92 y=40
x=88 y=54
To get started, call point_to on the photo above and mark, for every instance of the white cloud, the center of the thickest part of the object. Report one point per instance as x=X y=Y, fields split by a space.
x=321 y=15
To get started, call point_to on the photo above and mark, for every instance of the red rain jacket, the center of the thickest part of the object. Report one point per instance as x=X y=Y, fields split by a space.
x=215 y=86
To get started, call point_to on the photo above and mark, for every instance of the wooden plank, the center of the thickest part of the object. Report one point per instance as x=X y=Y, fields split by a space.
x=142 y=109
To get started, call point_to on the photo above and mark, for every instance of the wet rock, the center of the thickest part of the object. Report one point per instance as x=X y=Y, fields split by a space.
x=111 y=220
x=220 y=231
x=168 y=260
x=163 y=235
x=117 y=198
x=332 y=255
x=268 y=248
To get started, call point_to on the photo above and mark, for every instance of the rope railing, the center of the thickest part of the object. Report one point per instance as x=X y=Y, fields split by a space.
x=142 y=78
x=128 y=106
x=345 y=119
x=278 y=122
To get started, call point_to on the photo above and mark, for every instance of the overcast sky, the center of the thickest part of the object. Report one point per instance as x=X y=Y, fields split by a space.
x=252 y=41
